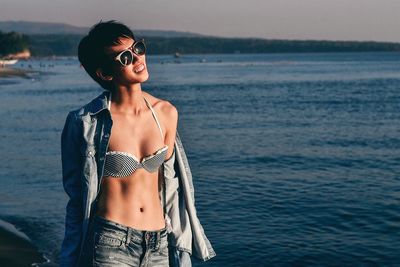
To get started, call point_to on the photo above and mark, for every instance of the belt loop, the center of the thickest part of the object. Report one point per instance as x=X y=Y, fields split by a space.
x=128 y=236
x=157 y=241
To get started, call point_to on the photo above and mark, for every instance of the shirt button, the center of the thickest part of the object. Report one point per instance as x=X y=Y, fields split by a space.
x=101 y=158
x=106 y=135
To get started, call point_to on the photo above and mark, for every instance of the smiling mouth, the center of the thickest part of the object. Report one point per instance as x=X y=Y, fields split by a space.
x=139 y=68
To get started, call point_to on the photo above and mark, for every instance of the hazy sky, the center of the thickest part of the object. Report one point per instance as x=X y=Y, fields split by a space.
x=284 y=19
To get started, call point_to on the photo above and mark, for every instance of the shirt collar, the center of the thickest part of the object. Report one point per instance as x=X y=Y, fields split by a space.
x=99 y=103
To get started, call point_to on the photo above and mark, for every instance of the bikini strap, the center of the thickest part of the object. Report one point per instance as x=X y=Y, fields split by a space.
x=155 y=117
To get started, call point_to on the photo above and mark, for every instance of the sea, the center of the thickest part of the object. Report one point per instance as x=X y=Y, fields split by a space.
x=295 y=157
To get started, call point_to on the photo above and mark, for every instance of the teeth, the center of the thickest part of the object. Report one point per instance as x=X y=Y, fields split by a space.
x=139 y=68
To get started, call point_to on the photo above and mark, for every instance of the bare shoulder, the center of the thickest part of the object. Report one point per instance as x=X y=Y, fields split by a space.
x=168 y=116
x=164 y=108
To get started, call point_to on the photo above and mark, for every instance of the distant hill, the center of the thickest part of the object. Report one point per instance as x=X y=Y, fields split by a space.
x=47 y=39
x=29 y=28
x=165 y=34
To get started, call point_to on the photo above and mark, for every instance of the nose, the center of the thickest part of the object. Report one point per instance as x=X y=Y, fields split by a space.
x=136 y=57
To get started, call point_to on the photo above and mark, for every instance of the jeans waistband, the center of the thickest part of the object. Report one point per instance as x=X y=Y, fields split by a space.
x=130 y=233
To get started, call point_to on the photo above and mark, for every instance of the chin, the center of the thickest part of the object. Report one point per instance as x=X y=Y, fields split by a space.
x=147 y=75
x=144 y=77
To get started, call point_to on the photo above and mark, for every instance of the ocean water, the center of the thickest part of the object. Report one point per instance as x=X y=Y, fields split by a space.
x=295 y=157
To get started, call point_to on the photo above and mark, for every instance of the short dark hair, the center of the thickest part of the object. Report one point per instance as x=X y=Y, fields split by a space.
x=91 y=49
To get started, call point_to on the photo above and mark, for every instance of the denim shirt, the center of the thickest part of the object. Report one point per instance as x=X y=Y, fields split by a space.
x=84 y=143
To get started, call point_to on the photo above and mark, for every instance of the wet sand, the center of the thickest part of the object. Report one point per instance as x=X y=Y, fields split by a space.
x=16 y=249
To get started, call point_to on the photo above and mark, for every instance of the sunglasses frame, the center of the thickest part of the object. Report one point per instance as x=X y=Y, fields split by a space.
x=132 y=51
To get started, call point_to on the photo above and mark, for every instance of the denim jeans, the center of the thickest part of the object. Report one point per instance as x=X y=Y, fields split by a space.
x=113 y=244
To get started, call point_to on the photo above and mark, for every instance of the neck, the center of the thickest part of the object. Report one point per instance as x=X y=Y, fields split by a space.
x=128 y=99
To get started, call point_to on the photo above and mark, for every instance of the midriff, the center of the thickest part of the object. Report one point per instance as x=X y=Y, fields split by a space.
x=132 y=201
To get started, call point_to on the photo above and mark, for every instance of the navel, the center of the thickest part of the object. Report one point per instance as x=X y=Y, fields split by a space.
x=141 y=209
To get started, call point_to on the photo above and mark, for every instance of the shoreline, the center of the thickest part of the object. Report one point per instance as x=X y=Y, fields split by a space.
x=7 y=72
x=16 y=249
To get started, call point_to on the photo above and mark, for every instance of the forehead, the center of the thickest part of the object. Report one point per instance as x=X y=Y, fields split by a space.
x=123 y=44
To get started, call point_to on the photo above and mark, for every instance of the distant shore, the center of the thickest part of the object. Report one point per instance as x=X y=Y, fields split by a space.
x=16 y=248
x=6 y=72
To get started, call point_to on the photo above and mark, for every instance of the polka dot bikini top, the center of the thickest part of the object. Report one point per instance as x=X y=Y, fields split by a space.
x=122 y=164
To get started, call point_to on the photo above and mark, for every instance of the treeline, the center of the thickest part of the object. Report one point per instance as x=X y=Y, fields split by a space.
x=12 y=42
x=202 y=45
x=66 y=45
x=42 y=45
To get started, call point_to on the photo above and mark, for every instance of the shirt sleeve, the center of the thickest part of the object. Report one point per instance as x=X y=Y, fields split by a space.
x=71 y=172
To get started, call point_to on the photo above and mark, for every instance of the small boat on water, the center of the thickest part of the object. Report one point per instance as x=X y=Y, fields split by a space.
x=11 y=59
x=4 y=62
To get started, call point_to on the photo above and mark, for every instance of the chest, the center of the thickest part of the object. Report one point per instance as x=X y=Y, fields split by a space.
x=136 y=135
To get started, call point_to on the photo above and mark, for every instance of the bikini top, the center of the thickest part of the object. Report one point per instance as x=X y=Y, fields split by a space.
x=122 y=164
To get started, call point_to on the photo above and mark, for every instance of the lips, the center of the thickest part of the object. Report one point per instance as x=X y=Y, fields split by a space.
x=139 y=68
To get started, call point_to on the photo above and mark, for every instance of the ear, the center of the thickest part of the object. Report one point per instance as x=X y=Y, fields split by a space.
x=105 y=77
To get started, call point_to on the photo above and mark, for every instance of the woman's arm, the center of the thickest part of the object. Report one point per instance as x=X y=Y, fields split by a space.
x=71 y=170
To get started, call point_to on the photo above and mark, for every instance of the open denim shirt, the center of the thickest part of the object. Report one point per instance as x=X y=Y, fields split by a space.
x=84 y=143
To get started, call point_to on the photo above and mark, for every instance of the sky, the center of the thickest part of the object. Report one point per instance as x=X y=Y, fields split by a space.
x=376 y=20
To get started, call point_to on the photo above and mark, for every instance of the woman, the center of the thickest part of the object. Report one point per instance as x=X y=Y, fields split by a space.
x=121 y=156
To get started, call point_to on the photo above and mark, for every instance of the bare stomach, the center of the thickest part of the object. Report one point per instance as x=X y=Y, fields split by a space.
x=132 y=201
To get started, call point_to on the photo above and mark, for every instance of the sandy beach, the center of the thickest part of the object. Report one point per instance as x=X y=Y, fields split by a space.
x=16 y=249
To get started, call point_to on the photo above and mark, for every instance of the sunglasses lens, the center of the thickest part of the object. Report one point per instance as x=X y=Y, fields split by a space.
x=139 y=48
x=126 y=58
